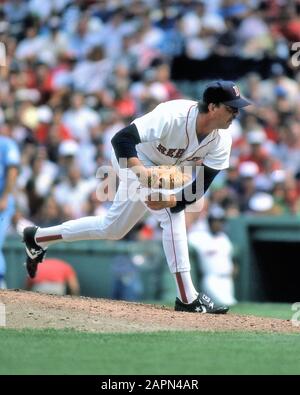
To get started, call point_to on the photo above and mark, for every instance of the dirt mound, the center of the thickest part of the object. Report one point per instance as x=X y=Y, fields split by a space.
x=34 y=310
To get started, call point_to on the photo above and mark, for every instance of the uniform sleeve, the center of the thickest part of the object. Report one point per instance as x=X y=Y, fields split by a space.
x=218 y=157
x=124 y=142
x=154 y=125
x=12 y=157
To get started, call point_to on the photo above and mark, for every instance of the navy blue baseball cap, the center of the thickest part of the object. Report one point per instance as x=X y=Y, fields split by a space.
x=226 y=92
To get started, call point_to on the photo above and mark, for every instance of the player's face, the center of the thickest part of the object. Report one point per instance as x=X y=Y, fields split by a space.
x=221 y=115
x=226 y=115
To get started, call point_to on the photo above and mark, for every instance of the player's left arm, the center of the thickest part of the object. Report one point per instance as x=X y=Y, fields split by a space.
x=124 y=144
x=206 y=177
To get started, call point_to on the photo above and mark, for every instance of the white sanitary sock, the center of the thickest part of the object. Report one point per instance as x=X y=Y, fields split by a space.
x=186 y=291
x=87 y=228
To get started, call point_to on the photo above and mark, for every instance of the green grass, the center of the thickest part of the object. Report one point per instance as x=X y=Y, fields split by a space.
x=71 y=352
x=274 y=310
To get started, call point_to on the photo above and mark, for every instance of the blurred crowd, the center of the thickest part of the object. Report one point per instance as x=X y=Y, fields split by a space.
x=77 y=71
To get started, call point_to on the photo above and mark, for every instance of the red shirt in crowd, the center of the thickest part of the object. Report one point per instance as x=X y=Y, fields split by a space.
x=53 y=270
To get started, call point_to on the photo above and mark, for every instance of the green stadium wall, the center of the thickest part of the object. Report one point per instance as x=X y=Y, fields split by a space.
x=267 y=251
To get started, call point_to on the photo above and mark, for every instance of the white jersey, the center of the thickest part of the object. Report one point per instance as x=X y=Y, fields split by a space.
x=215 y=252
x=168 y=137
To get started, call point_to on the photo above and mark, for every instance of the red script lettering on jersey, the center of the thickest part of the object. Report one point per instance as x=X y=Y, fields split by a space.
x=171 y=152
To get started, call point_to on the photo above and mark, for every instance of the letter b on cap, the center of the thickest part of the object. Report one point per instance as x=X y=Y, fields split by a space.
x=236 y=90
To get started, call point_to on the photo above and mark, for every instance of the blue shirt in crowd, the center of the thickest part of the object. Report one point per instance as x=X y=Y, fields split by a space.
x=9 y=156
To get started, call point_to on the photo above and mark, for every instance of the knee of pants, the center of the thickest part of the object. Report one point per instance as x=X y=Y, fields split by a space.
x=172 y=224
x=115 y=237
x=115 y=233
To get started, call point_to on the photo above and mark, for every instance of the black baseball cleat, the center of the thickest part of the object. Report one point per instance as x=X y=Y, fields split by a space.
x=35 y=254
x=203 y=304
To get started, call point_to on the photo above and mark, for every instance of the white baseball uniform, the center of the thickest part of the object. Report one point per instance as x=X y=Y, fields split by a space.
x=168 y=136
x=215 y=252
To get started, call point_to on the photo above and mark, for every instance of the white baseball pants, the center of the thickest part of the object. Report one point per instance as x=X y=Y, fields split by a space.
x=121 y=218
x=123 y=215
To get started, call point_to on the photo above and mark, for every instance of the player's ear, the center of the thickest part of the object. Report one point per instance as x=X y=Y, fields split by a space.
x=212 y=106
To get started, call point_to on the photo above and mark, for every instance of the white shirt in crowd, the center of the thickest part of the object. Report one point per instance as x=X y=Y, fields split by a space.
x=74 y=196
x=80 y=121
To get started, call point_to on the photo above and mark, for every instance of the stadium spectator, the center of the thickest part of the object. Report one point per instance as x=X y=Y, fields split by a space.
x=72 y=193
x=55 y=276
x=248 y=172
x=9 y=164
x=49 y=212
x=215 y=252
x=126 y=278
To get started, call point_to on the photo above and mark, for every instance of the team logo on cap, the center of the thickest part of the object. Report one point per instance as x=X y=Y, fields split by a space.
x=236 y=90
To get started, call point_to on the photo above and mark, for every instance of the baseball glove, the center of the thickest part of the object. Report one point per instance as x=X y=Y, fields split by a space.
x=166 y=177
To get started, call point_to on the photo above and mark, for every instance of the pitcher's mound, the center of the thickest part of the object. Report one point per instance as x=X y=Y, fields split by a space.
x=34 y=310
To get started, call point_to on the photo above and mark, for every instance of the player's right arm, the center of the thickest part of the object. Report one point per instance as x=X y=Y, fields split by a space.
x=124 y=144
x=152 y=126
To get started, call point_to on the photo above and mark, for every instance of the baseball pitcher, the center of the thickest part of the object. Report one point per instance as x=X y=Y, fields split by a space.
x=175 y=134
